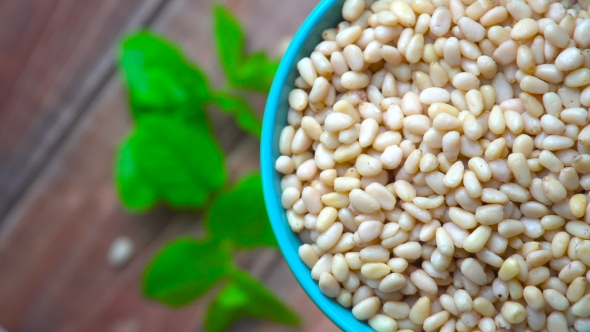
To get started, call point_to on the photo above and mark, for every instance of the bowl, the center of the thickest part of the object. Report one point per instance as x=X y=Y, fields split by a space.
x=326 y=15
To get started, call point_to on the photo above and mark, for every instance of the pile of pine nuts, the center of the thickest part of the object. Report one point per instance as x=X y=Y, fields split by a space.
x=437 y=164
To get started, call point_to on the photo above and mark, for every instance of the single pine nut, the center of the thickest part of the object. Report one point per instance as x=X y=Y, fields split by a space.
x=420 y=311
x=513 y=312
x=555 y=299
x=329 y=285
x=366 y=308
x=382 y=323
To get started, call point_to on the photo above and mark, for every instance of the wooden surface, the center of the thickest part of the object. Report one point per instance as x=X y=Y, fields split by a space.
x=55 y=55
x=62 y=113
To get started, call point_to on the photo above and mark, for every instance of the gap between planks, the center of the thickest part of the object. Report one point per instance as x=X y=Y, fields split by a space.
x=146 y=13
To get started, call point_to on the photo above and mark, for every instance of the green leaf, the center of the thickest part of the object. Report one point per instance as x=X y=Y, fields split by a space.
x=178 y=160
x=135 y=193
x=160 y=79
x=245 y=116
x=257 y=72
x=245 y=296
x=240 y=215
x=229 y=38
x=254 y=72
x=184 y=270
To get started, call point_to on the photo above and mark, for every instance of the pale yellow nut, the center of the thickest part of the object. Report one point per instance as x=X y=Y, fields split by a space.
x=510 y=269
x=578 y=204
x=375 y=270
x=513 y=312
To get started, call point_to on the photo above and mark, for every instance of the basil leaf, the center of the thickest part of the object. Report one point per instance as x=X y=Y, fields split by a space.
x=246 y=296
x=257 y=72
x=160 y=79
x=226 y=308
x=239 y=215
x=184 y=270
x=182 y=162
x=229 y=38
x=254 y=72
x=135 y=193
x=245 y=116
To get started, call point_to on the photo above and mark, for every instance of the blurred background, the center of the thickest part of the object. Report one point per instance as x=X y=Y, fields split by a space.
x=63 y=111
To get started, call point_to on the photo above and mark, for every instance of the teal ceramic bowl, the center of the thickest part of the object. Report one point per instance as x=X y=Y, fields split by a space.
x=326 y=15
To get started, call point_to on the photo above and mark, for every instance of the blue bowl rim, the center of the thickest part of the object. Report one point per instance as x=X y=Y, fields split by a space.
x=341 y=316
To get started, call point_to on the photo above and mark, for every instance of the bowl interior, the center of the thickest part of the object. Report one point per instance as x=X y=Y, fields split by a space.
x=326 y=15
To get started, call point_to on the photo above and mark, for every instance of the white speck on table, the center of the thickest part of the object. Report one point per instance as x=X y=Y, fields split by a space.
x=120 y=252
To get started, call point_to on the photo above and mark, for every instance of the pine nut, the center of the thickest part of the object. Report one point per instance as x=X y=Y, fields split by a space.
x=513 y=312
x=440 y=22
x=408 y=250
x=375 y=270
x=577 y=78
x=555 y=299
x=396 y=102
x=477 y=239
x=472 y=30
x=366 y=308
x=420 y=311
x=423 y=281
x=473 y=271
x=556 y=35
x=353 y=80
x=509 y=228
x=352 y=9
x=396 y=310
x=524 y=29
x=463 y=300
x=531 y=84
x=328 y=285
x=382 y=323
x=348 y=36
x=553 y=189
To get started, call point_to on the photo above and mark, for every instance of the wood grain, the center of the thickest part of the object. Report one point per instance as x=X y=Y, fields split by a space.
x=55 y=55
x=54 y=242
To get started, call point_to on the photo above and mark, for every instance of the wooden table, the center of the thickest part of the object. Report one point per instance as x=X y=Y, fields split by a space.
x=62 y=113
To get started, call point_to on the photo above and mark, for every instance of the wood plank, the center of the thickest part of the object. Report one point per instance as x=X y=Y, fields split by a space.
x=54 y=242
x=54 y=56
x=64 y=232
